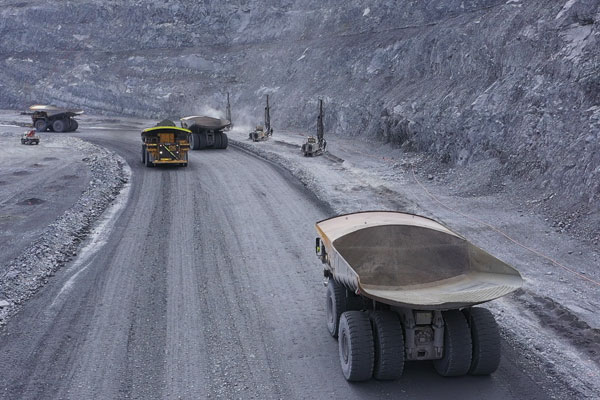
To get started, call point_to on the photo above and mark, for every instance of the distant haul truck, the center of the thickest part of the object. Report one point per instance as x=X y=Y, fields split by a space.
x=206 y=132
x=52 y=118
x=402 y=287
x=165 y=144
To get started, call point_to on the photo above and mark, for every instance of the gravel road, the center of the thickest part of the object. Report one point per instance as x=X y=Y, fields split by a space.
x=37 y=184
x=203 y=285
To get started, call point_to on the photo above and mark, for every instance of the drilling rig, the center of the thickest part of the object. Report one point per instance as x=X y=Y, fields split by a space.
x=228 y=114
x=316 y=146
x=263 y=132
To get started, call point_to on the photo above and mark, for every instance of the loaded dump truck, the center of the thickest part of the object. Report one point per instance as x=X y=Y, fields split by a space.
x=206 y=132
x=165 y=144
x=401 y=287
x=53 y=118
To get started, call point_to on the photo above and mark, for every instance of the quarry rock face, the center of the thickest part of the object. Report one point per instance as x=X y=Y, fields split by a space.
x=516 y=81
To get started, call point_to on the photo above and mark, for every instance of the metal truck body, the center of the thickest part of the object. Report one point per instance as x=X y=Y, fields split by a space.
x=165 y=145
x=206 y=132
x=414 y=281
x=53 y=118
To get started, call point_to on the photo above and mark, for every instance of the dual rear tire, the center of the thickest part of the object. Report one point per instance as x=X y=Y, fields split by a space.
x=62 y=125
x=371 y=343
x=199 y=141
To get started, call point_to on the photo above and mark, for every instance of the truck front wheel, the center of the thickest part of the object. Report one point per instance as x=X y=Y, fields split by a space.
x=143 y=155
x=486 y=341
x=456 y=360
x=148 y=161
x=336 y=305
x=356 y=346
x=40 y=125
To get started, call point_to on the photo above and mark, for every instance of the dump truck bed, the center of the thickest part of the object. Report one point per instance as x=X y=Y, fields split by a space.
x=411 y=261
x=208 y=123
x=53 y=110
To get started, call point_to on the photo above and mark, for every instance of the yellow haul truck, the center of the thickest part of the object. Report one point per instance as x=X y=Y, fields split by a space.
x=165 y=144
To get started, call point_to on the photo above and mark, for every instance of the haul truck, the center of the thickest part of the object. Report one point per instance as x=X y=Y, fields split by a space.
x=403 y=287
x=53 y=118
x=206 y=132
x=165 y=144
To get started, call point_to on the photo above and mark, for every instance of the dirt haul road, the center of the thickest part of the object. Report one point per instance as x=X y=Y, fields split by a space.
x=203 y=284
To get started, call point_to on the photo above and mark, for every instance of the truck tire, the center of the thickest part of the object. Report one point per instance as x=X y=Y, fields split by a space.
x=74 y=125
x=194 y=142
x=355 y=344
x=224 y=141
x=486 y=341
x=218 y=140
x=389 y=345
x=456 y=360
x=335 y=306
x=148 y=161
x=40 y=125
x=202 y=141
x=143 y=155
x=59 y=125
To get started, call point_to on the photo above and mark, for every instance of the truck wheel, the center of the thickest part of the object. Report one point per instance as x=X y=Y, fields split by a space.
x=486 y=341
x=59 y=125
x=40 y=125
x=457 y=345
x=74 y=125
x=143 y=155
x=194 y=141
x=202 y=141
x=389 y=345
x=218 y=140
x=336 y=305
x=224 y=141
x=148 y=162
x=355 y=345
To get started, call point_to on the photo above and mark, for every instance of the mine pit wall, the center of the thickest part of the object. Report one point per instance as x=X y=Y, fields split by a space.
x=516 y=80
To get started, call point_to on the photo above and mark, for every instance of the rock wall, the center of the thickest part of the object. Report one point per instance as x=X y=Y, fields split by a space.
x=517 y=81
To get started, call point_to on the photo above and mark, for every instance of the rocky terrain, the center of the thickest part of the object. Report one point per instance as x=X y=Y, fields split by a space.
x=50 y=196
x=513 y=82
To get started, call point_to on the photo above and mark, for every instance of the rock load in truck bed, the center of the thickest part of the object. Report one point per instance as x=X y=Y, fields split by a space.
x=411 y=261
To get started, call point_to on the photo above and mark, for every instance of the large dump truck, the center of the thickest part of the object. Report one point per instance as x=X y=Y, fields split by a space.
x=403 y=287
x=53 y=118
x=165 y=144
x=207 y=132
